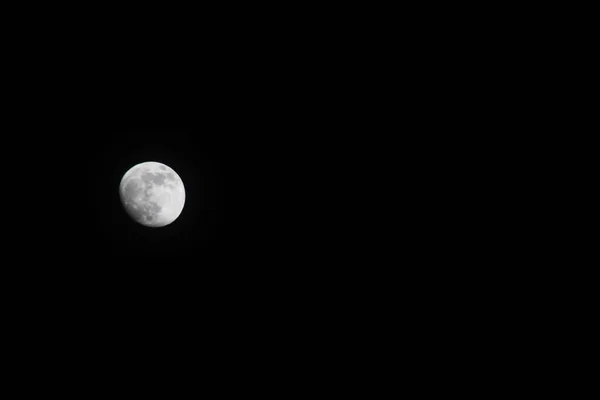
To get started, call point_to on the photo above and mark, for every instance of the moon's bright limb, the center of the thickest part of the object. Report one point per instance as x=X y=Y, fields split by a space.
x=152 y=194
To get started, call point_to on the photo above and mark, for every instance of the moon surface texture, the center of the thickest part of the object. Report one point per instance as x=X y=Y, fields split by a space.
x=152 y=194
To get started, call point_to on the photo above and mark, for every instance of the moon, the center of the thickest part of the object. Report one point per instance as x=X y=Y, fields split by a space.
x=152 y=194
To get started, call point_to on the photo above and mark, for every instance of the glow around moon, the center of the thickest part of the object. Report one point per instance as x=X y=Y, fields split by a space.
x=152 y=194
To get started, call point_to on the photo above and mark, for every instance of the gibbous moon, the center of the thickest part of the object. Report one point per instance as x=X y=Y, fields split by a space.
x=152 y=194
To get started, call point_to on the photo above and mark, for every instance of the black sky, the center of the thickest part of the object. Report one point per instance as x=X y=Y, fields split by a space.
x=247 y=122
x=244 y=151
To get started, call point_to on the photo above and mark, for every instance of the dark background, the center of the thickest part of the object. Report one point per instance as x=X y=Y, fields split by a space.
x=232 y=278
x=240 y=215
x=257 y=125
x=274 y=119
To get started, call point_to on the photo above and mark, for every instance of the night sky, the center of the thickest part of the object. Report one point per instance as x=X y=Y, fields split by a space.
x=253 y=261
x=307 y=141
x=248 y=236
